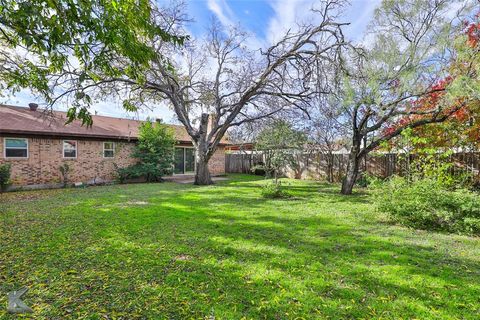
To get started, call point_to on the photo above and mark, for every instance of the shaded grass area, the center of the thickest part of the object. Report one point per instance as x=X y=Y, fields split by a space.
x=154 y=251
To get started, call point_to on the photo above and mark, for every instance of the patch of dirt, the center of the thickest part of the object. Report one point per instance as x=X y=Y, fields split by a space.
x=182 y=257
x=29 y=195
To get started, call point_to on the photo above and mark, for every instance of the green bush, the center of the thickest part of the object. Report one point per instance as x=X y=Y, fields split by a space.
x=428 y=204
x=64 y=170
x=154 y=153
x=5 y=172
x=150 y=172
x=365 y=179
x=272 y=190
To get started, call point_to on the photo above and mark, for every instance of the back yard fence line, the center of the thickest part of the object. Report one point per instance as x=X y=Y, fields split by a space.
x=321 y=166
x=242 y=163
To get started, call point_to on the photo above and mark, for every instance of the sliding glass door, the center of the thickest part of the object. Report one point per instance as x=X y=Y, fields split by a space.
x=184 y=160
x=189 y=160
x=179 y=161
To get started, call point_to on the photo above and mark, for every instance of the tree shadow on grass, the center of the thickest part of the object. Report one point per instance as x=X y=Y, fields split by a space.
x=284 y=246
x=283 y=251
x=190 y=254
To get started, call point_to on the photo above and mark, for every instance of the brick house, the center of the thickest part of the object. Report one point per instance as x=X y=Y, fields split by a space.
x=37 y=144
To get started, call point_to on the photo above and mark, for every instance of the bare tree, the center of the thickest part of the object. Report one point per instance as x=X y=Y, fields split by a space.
x=327 y=132
x=217 y=83
x=408 y=58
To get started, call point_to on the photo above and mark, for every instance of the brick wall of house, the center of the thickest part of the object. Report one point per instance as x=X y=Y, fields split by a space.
x=46 y=156
x=216 y=165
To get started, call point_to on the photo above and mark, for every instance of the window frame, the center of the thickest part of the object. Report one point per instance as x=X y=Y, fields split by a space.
x=113 y=149
x=63 y=149
x=184 y=162
x=17 y=158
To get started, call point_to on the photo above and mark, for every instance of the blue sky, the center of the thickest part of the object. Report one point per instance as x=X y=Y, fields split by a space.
x=263 y=19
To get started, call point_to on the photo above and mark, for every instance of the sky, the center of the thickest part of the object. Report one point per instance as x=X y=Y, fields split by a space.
x=264 y=20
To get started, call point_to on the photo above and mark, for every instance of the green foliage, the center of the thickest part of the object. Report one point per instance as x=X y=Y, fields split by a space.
x=430 y=195
x=5 y=172
x=148 y=171
x=423 y=160
x=64 y=170
x=273 y=190
x=365 y=179
x=97 y=34
x=429 y=204
x=154 y=152
x=279 y=142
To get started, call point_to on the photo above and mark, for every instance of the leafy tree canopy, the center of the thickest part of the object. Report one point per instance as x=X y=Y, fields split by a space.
x=279 y=142
x=86 y=38
x=280 y=135
x=460 y=91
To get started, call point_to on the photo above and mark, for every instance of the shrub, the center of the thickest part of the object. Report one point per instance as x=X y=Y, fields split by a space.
x=5 y=172
x=272 y=190
x=154 y=152
x=121 y=174
x=259 y=169
x=428 y=204
x=151 y=172
x=365 y=179
x=64 y=170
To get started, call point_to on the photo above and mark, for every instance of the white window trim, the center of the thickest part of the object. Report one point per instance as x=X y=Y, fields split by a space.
x=63 y=149
x=113 y=145
x=5 y=148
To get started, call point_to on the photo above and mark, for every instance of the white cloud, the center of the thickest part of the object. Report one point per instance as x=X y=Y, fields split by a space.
x=360 y=19
x=223 y=12
x=287 y=14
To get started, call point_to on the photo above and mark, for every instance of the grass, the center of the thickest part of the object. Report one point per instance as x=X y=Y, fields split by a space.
x=154 y=251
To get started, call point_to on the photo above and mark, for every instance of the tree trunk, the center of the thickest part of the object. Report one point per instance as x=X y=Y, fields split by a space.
x=330 y=160
x=202 y=174
x=353 y=166
x=351 y=177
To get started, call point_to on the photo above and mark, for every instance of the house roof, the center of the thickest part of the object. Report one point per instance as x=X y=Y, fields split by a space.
x=20 y=120
x=240 y=146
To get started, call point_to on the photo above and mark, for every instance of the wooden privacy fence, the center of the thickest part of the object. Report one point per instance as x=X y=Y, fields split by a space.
x=241 y=163
x=321 y=166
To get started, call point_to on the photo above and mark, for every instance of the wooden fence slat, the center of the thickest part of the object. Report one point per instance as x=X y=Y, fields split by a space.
x=316 y=164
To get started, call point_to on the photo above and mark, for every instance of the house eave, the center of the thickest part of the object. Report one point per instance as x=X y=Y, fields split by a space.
x=78 y=135
x=65 y=135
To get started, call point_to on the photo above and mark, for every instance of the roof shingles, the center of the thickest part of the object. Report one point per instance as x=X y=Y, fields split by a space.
x=19 y=120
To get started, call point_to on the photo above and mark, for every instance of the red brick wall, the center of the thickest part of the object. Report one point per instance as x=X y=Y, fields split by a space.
x=216 y=165
x=45 y=158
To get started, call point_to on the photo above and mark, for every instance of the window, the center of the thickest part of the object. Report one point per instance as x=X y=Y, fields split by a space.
x=16 y=148
x=69 y=149
x=184 y=160
x=108 y=149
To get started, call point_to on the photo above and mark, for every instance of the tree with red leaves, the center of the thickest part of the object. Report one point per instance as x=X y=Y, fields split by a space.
x=403 y=80
x=462 y=128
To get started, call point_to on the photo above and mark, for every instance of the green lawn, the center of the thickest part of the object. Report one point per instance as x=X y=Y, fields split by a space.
x=154 y=251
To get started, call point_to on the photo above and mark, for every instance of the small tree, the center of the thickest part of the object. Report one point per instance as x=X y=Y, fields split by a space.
x=5 y=172
x=279 y=143
x=154 y=152
x=64 y=171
